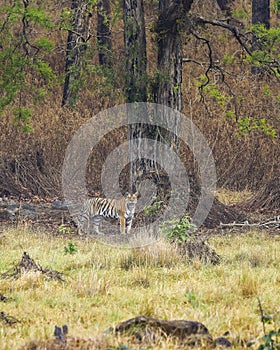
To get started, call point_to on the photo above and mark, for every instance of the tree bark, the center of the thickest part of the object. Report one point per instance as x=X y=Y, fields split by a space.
x=136 y=84
x=224 y=5
x=261 y=12
x=104 y=33
x=172 y=20
x=260 y=15
x=135 y=51
x=78 y=35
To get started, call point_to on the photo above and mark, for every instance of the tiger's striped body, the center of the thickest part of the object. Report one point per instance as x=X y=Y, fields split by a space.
x=95 y=208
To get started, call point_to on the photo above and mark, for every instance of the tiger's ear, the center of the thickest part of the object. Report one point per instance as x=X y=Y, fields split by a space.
x=136 y=194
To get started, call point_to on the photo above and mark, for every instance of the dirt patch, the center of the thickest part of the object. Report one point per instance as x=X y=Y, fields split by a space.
x=222 y=213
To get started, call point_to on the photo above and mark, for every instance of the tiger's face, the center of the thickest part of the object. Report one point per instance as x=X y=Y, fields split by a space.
x=131 y=200
x=132 y=197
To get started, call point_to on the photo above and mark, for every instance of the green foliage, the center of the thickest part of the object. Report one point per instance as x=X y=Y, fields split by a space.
x=107 y=78
x=116 y=11
x=248 y=124
x=39 y=16
x=65 y=229
x=270 y=340
x=22 y=119
x=70 y=248
x=276 y=6
x=177 y=229
x=153 y=208
x=228 y=59
x=44 y=44
x=22 y=55
x=212 y=91
x=240 y=13
x=259 y=58
x=267 y=52
x=269 y=37
x=44 y=70
x=230 y=114
x=216 y=94
x=194 y=300
x=267 y=91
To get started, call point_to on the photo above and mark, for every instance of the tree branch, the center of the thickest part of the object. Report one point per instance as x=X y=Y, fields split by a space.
x=242 y=39
x=239 y=36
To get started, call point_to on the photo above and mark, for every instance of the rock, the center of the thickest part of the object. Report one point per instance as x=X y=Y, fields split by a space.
x=66 y=205
x=12 y=208
x=28 y=211
x=222 y=342
x=148 y=329
x=60 y=333
x=25 y=210
x=144 y=329
x=60 y=205
x=5 y=215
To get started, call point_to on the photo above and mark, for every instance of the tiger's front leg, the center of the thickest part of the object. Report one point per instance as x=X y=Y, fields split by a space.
x=128 y=223
x=96 y=221
x=122 y=224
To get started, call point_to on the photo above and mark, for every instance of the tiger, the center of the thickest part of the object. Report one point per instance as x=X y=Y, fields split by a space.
x=95 y=208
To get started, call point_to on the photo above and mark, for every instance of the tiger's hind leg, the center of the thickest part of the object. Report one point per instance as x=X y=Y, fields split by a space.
x=80 y=225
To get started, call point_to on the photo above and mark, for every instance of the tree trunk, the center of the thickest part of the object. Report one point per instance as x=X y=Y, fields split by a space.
x=78 y=35
x=260 y=15
x=224 y=5
x=136 y=83
x=168 y=80
x=135 y=50
x=104 y=33
x=261 y=12
x=172 y=18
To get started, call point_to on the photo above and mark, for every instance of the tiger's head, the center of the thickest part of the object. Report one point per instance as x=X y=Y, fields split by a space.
x=131 y=200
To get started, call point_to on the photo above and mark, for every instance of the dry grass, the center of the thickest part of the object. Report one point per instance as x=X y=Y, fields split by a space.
x=228 y=197
x=104 y=286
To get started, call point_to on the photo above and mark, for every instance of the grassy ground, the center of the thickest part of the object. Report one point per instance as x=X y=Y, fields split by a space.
x=104 y=286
